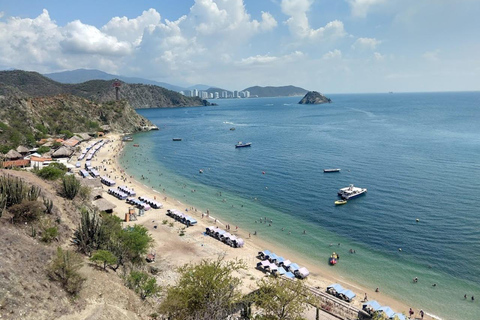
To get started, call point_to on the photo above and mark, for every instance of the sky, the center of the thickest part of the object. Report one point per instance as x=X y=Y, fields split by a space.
x=331 y=46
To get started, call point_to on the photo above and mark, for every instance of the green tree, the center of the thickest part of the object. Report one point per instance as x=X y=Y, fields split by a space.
x=43 y=149
x=143 y=284
x=64 y=268
x=134 y=242
x=105 y=257
x=207 y=290
x=282 y=299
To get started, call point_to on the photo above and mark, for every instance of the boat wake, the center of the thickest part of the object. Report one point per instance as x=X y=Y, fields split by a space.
x=228 y=122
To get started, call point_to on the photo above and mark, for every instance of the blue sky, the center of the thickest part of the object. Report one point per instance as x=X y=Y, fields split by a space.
x=331 y=46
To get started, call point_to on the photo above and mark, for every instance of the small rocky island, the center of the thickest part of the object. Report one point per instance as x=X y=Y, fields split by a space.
x=314 y=97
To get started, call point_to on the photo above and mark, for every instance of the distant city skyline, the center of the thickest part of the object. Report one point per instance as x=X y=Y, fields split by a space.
x=332 y=46
x=220 y=94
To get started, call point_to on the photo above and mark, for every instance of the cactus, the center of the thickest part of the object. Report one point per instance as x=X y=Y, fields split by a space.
x=71 y=186
x=34 y=232
x=48 y=205
x=14 y=190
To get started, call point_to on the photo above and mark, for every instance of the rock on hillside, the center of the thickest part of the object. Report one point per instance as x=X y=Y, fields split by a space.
x=314 y=97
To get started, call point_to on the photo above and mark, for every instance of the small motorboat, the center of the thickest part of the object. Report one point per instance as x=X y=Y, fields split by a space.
x=331 y=170
x=232 y=129
x=340 y=202
x=240 y=144
x=201 y=171
x=177 y=139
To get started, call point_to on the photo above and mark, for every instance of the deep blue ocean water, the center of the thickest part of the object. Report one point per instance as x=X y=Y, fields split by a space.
x=417 y=153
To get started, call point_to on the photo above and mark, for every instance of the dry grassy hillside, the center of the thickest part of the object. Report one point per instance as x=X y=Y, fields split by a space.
x=26 y=292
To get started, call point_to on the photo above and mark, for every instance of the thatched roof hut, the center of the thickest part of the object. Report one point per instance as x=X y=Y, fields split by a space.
x=23 y=150
x=13 y=155
x=83 y=136
x=62 y=152
x=104 y=205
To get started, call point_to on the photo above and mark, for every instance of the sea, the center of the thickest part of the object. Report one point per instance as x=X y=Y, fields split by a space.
x=418 y=154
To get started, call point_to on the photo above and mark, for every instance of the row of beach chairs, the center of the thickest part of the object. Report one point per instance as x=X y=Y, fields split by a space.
x=181 y=217
x=278 y=265
x=225 y=237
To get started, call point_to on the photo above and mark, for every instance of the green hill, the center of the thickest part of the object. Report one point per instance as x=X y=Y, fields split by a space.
x=285 y=91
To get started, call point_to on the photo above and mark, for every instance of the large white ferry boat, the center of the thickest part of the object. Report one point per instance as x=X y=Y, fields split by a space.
x=351 y=192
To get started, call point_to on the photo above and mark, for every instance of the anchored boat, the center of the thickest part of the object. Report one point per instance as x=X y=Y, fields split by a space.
x=240 y=144
x=351 y=192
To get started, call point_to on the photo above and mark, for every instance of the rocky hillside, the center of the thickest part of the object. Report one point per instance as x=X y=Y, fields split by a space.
x=25 y=120
x=32 y=84
x=285 y=91
x=314 y=97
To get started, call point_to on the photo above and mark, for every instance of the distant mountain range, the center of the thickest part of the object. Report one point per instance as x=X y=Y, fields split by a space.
x=31 y=84
x=83 y=75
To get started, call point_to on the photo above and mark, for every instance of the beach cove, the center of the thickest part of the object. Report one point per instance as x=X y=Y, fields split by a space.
x=375 y=231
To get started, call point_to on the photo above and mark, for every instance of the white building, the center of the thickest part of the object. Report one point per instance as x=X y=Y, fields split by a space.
x=204 y=95
x=224 y=94
x=217 y=95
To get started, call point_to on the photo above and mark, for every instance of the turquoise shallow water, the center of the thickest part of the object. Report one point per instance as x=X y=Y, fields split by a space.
x=416 y=153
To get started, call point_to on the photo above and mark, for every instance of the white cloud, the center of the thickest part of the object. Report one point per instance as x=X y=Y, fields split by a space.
x=431 y=55
x=270 y=60
x=83 y=38
x=378 y=56
x=131 y=30
x=299 y=26
x=360 y=8
x=332 y=54
x=366 y=44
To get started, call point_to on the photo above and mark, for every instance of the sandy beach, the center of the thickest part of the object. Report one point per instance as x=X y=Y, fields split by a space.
x=173 y=250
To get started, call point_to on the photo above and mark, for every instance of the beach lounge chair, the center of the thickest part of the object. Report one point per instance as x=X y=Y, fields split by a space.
x=272 y=258
x=333 y=289
x=262 y=265
x=293 y=267
x=387 y=311
x=371 y=306
x=302 y=273
x=279 y=271
x=285 y=263
x=346 y=295
x=264 y=254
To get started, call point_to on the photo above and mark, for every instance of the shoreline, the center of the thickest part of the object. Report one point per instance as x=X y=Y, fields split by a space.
x=320 y=276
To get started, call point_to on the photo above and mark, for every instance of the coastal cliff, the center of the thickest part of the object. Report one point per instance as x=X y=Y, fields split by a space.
x=314 y=97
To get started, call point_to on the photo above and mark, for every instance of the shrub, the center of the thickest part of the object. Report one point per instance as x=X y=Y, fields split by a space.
x=105 y=257
x=50 y=173
x=84 y=192
x=64 y=268
x=143 y=284
x=49 y=234
x=71 y=186
x=26 y=211
x=43 y=149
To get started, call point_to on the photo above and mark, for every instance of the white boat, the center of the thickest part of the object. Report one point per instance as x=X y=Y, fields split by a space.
x=351 y=192
x=331 y=170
